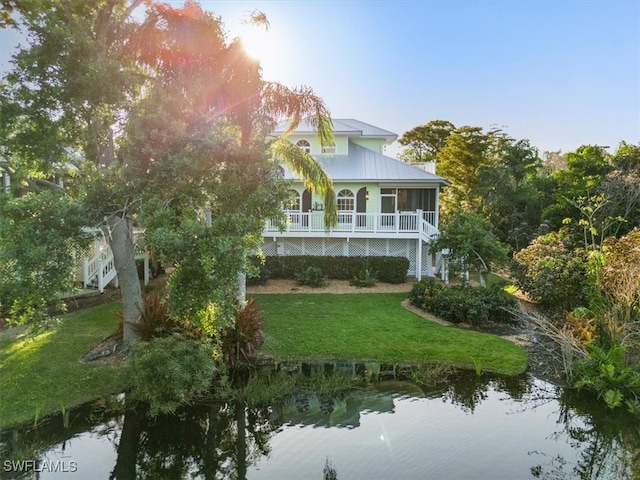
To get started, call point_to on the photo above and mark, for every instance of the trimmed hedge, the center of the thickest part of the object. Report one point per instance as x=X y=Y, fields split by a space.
x=384 y=269
x=457 y=303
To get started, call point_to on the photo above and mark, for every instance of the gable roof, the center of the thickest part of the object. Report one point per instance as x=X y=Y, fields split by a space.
x=363 y=164
x=344 y=126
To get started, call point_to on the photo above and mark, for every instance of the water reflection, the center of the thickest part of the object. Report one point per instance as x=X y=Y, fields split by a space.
x=399 y=422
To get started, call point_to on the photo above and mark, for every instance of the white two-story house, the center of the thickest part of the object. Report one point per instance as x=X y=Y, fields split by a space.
x=386 y=207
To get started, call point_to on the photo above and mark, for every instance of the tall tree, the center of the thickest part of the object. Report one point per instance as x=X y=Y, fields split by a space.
x=424 y=142
x=585 y=168
x=467 y=149
x=189 y=109
x=506 y=194
x=68 y=89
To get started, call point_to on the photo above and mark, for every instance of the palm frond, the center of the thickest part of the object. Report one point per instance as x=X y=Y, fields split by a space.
x=312 y=174
x=298 y=104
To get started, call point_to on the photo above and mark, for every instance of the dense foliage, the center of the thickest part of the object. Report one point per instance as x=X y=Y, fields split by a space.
x=551 y=271
x=571 y=220
x=39 y=235
x=384 y=269
x=463 y=303
x=168 y=372
x=312 y=277
x=122 y=93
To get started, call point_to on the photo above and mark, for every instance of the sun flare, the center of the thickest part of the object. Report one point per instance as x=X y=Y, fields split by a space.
x=255 y=41
x=262 y=45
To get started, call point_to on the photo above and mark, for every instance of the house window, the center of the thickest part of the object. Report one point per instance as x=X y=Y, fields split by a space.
x=304 y=145
x=329 y=149
x=294 y=201
x=410 y=199
x=346 y=200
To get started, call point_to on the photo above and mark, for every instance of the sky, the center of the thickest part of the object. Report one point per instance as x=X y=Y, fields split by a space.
x=558 y=73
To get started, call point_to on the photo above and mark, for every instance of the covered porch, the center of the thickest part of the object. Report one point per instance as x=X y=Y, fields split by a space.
x=416 y=224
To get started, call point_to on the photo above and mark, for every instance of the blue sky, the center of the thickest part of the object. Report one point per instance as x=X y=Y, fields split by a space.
x=559 y=73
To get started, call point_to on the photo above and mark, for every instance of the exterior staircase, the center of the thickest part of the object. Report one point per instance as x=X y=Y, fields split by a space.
x=100 y=270
x=427 y=232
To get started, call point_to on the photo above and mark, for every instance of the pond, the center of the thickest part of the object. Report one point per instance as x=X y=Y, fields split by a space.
x=399 y=423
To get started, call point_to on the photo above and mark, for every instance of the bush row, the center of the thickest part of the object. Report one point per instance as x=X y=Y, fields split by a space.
x=384 y=269
x=457 y=303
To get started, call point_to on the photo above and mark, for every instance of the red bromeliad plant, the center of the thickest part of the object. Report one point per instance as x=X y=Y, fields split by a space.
x=245 y=336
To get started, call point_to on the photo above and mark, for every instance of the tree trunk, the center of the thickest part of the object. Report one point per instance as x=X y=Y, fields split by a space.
x=241 y=295
x=121 y=242
x=241 y=441
x=129 y=444
x=482 y=277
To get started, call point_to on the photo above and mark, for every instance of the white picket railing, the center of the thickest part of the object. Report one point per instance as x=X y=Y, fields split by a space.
x=418 y=222
x=100 y=270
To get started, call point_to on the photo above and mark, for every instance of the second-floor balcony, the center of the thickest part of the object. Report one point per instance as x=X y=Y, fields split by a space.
x=416 y=224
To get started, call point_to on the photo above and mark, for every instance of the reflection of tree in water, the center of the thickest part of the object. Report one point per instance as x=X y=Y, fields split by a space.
x=467 y=389
x=608 y=441
x=222 y=440
x=214 y=441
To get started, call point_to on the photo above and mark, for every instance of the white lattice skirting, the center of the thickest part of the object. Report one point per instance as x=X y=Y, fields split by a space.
x=354 y=247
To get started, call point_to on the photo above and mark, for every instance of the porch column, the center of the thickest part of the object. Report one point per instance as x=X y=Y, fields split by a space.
x=146 y=269
x=419 y=260
x=437 y=209
x=6 y=180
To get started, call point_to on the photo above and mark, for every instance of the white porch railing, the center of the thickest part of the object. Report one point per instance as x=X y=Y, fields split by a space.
x=418 y=222
x=100 y=270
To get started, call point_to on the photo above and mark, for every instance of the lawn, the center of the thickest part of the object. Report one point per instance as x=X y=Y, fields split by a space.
x=375 y=327
x=42 y=375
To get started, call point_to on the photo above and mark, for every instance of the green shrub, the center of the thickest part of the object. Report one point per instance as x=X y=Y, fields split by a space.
x=552 y=272
x=387 y=269
x=171 y=371
x=246 y=335
x=457 y=304
x=607 y=374
x=155 y=321
x=424 y=292
x=311 y=276
x=365 y=278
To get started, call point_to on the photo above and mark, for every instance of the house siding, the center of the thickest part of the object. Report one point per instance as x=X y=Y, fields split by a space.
x=369 y=143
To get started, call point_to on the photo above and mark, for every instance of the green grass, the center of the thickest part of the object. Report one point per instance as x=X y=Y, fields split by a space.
x=356 y=327
x=43 y=375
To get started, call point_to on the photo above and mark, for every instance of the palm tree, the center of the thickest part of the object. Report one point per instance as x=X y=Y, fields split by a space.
x=206 y=88
x=182 y=100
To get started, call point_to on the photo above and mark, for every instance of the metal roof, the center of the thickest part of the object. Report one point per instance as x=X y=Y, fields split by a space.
x=344 y=126
x=363 y=164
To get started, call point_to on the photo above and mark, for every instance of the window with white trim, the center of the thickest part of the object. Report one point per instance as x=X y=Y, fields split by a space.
x=294 y=201
x=346 y=200
x=304 y=145
x=329 y=149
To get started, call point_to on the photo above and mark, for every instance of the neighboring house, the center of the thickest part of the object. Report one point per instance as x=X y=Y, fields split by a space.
x=385 y=207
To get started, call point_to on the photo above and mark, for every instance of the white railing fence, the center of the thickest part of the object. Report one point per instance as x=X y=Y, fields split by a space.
x=384 y=223
x=100 y=270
